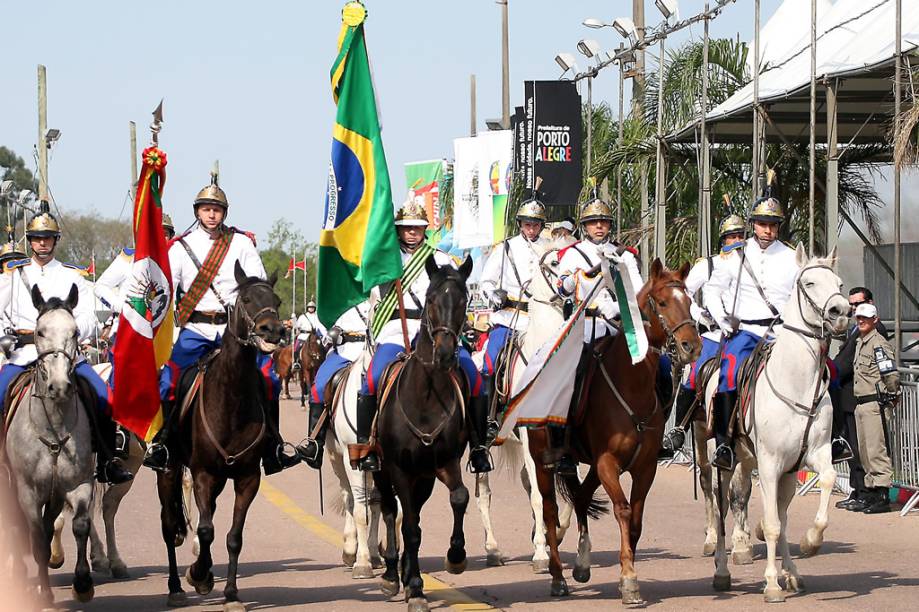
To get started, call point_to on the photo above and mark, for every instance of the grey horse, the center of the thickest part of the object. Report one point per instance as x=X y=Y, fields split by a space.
x=48 y=444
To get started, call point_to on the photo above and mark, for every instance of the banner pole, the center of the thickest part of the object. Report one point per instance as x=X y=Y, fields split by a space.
x=401 y=301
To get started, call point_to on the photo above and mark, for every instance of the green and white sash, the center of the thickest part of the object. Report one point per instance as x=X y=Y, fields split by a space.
x=410 y=273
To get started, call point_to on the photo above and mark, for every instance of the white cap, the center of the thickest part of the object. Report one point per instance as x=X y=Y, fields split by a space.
x=568 y=225
x=868 y=311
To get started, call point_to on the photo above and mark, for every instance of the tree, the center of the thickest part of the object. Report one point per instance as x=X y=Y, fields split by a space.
x=13 y=168
x=285 y=242
x=85 y=234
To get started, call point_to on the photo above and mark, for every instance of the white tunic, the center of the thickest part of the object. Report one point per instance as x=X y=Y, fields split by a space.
x=184 y=272
x=54 y=279
x=413 y=296
x=511 y=269
x=697 y=278
x=353 y=321
x=307 y=322
x=578 y=259
x=776 y=270
x=111 y=287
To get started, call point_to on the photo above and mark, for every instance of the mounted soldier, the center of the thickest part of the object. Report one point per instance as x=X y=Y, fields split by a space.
x=731 y=235
x=55 y=279
x=596 y=220
x=757 y=284
x=411 y=222
x=346 y=340
x=307 y=323
x=202 y=262
x=504 y=282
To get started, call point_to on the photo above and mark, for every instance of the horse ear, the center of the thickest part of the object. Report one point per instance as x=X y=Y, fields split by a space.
x=37 y=300
x=466 y=268
x=656 y=267
x=72 y=298
x=833 y=259
x=801 y=256
x=430 y=266
x=273 y=278
x=239 y=273
x=684 y=270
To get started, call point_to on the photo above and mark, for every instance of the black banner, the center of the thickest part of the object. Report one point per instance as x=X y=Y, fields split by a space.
x=548 y=140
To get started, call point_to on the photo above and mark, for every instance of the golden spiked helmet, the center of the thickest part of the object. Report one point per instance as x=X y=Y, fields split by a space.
x=213 y=194
x=532 y=210
x=43 y=224
x=412 y=213
x=732 y=224
x=167 y=223
x=768 y=208
x=595 y=209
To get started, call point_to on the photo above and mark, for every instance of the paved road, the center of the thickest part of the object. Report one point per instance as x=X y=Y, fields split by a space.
x=291 y=559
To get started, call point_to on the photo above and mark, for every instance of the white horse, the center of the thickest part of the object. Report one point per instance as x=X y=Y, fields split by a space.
x=49 y=445
x=544 y=311
x=791 y=420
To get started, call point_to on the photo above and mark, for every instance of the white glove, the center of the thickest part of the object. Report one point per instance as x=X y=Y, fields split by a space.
x=609 y=251
x=726 y=325
x=568 y=283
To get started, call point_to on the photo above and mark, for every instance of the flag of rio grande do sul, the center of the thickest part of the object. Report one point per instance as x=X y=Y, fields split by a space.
x=145 y=328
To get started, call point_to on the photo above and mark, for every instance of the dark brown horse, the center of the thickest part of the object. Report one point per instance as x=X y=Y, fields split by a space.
x=312 y=354
x=224 y=431
x=620 y=431
x=423 y=433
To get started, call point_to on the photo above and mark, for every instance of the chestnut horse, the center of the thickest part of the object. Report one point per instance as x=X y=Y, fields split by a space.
x=620 y=430
x=312 y=354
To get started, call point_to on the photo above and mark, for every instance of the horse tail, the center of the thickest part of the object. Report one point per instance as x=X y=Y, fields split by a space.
x=584 y=500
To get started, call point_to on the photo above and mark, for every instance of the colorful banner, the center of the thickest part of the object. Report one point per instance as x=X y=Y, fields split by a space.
x=495 y=176
x=482 y=174
x=423 y=180
x=358 y=248
x=145 y=325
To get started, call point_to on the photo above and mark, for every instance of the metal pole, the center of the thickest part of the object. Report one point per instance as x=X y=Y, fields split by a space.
x=304 y=279
x=660 y=194
x=757 y=130
x=897 y=262
x=472 y=105
x=132 y=127
x=705 y=205
x=42 y=130
x=813 y=130
x=620 y=141
x=638 y=83
x=590 y=124
x=505 y=70
x=832 y=166
x=644 y=218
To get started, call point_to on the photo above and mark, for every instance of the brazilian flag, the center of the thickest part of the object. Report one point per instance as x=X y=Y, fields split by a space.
x=358 y=246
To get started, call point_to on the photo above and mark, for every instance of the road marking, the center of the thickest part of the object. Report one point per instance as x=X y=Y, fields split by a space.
x=438 y=589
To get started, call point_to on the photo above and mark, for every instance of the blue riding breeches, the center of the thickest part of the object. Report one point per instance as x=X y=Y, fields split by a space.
x=387 y=353
x=83 y=369
x=736 y=350
x=709 y=349
x=332 y=364
x=497 y=338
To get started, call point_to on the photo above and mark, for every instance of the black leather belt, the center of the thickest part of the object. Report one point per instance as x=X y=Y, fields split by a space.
x=213 y=318
x=521 y=306
x=24 y=337
x=866 y=399
x=353 y=338
x=762 y=322
x=410 y=313
x=591 y=312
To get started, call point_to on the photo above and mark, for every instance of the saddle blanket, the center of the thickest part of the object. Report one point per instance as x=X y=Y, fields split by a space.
x=543 y=393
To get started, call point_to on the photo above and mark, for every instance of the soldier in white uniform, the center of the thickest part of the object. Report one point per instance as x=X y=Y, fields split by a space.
x=411 y=222
x=207 y=308
x=347 y=339
x=765 y=269
x=306 y=323
x=731 y=233
x=505 y=280
x=55 y=280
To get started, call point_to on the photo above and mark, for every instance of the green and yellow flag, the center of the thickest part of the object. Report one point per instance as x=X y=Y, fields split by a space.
x=358 y=247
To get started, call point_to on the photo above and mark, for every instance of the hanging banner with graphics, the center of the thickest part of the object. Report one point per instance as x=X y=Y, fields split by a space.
x=495 y=175
x=472 y=218
x=423 y=180
x=548 y=137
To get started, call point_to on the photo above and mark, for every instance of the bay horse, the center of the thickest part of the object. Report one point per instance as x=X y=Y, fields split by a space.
x=620 y=431
x=422 y=430
x=225 y=427
x=312 y=354
x=48 y=444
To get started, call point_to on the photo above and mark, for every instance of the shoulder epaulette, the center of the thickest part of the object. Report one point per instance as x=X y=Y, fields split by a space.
x=728 y=249
x=74 y=266
x=128 y=252
x=249 y=235
x=17 y=263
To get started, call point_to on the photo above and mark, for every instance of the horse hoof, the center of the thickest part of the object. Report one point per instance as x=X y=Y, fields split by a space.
x=390 y=588
x=454 y=568
x=774 y=595
x=101 y=565
x=793 y=584
x=377 y=563
x=721 y=583
x=808 y=549
x=120 y=571
x=348 y=559
x=559 y=588
x=361 y=572
x=177 y=600
x=179 y=540
x=758 y=532
x=742 y=557
x=540 y=566
x=418 y=604
x=84 y=596
x=56 y=563
x=708 y=549
x=202 y=588
x=494 y=560
x=234 y=606
x=581 y=574
x=631 y=595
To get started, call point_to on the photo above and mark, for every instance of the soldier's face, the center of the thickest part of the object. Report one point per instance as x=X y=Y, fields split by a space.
x=598 y=229
x=411 y=235
x=530 y=229
x=766 y=233
x=42 y=247
x=210 y=215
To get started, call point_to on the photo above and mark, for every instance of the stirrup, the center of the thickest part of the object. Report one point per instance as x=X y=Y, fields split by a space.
x=845 y=452
x=283 y=458
x=719 y=461
x=669 y=443
x=369 y=463
x=308 y=449
x=483 y=465
x=148 y=457
x=491 y=432
x=566 y=466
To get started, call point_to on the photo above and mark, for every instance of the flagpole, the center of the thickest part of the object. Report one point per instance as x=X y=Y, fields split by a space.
x=401 y=302
x=293 y=298
x=92 y=265
x=304 y=279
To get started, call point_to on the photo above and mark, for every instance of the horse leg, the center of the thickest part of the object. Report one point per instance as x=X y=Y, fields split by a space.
x=786 y=492
x=705 y=483
x=813 y=539
x=80 y=499
x=772 y=528
x=493 y=556
x=722 y=578
x=111 y=501
x=641 y=485
x=373 y=539
x=581 y=571
x=540 y=562
x=545 y=481
x=349 y=537
x=452 y=477
x=98 y=560
x=207 y=489
x=361 y=487
x=740 y=489
x=245 y=488
x=608 y=471
x=389 y=581
x=40 y=539
x=169 y=489
x=56 y=560
x=412 y=495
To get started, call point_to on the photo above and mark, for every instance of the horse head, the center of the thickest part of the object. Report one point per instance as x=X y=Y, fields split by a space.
x=445 y=309
x=56 y=341
x=665 y=303
x=817 y=300
x=254 y=319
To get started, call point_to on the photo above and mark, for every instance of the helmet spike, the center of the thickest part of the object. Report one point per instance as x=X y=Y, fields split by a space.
x=215 y=173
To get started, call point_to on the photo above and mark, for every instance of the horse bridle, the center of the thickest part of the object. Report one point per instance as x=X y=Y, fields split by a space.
x=250 y=320
x=441 y=329
x=670 y=343
x=819 y=331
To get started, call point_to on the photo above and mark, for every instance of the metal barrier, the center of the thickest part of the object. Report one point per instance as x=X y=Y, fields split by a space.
x=904 y=437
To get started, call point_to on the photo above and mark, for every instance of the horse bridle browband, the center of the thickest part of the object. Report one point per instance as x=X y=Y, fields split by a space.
x=671 y=333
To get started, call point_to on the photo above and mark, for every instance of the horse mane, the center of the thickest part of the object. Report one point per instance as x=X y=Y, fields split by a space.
x=54 y=303
x=445 y=273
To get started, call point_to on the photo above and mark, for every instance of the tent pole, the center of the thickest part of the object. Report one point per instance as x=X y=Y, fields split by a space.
x=619 y=142
x=660 y=193
x=897 y=262
x=705 y=205
x=832 y=166
x=756 y=118
x=812 y=161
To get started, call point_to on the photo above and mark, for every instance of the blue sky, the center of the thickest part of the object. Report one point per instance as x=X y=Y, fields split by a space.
x=248 y=83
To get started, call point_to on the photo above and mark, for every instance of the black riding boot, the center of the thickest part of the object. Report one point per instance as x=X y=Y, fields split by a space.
x=157 y=455
x=311 y=449
x=563 y=463
x=366 y=411
x=491 y=424
x=479 y=461
x=109 y=468
x=274 y=459
x=674 y=439
x=723 y=406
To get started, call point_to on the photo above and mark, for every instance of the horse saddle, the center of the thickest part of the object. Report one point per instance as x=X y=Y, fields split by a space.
x=18 y=389
x=190 y=381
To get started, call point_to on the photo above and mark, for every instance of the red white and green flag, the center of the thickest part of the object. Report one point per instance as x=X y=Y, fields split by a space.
x=145 y=329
